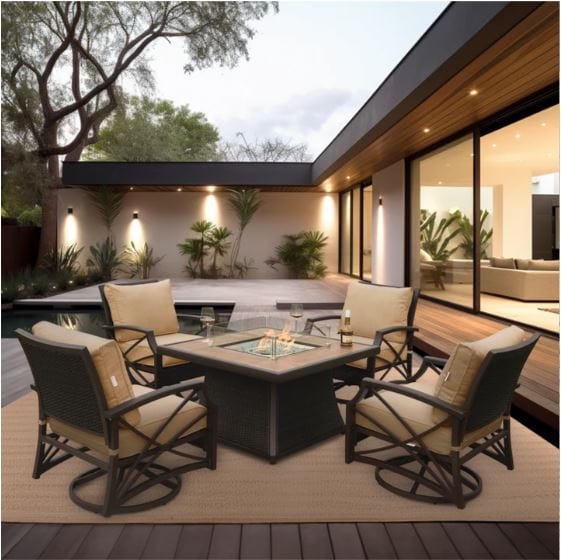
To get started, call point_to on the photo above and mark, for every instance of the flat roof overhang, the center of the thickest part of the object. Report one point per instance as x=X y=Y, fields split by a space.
x=506 y=50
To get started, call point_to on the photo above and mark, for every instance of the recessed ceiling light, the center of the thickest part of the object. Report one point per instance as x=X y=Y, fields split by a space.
x=471 y=155
x=543 y=124
x=440 y=182
x=426 y=130
x=473 y=92
x=493 y=145
x=517 y=136
x=348 y=177
x=179 y=189
x=131 y=188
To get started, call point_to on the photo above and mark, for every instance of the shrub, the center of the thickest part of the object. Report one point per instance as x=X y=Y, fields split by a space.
x=104 y=260
x=140 y=261
x=31 y=217
x=302 y=254
x=62 y=260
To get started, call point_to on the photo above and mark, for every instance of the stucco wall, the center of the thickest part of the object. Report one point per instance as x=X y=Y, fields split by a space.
x=388 y=225
x=165 y=218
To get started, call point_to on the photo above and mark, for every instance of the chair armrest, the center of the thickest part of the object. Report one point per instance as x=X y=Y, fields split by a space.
x=154 y=395
x=310 y=323
x=148 y=334
x=429 y=362
x=380 y=334
x=405 y=390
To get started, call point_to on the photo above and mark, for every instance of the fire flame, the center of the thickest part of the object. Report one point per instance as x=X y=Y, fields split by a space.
x=285 y=341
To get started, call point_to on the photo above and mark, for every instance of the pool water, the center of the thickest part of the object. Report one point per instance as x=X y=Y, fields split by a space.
x=88 y=320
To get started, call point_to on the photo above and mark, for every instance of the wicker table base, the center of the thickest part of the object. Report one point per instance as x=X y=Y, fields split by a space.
x=271 y=419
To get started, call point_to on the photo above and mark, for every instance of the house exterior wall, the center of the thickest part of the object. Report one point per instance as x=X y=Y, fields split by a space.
x=388 y=225
x=165 y=218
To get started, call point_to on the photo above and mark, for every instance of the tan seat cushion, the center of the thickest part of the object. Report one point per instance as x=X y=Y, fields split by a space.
x=151 y=417
x=418 y=415
x=142 y=352
x=107 y=359
x=377 y=307
x=386 y=353
x=463 y=365
x=143 y=305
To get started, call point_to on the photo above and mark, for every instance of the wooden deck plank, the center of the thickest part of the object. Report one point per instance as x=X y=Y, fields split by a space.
x=525 y=541
x=66 y=542
x=315 y=541
x=162 y=542
x=225 y=542
x=466 y=541
x=376 y=541
x=547 y=534
x=256 y=541
x=194 y=541
x=131 y=541
x=12 y=533
x=35 y=541
x=495 y=541
x=285 y=542
x=345 y=540
x=406 y=542
x=99 y=542
x=436 y=541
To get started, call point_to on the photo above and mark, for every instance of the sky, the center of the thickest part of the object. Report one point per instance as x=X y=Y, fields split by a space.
x=312 y=66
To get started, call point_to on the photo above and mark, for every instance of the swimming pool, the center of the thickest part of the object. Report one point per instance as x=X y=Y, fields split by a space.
x=88 y=318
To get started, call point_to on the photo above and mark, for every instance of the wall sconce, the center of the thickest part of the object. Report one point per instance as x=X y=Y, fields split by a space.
x=380 y=200
x=70 y=210
x=135 y=215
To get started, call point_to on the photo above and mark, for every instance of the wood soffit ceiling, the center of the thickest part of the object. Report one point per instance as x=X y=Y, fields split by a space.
x=522 y=62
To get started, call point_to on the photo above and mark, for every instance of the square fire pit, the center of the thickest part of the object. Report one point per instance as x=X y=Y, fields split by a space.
x=270 y=346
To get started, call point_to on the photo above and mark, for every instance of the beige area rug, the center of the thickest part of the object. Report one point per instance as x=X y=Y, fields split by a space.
x=314 y=485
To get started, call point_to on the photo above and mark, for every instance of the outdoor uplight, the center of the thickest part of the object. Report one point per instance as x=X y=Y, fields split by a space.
x=135 y=215
x=70 y=210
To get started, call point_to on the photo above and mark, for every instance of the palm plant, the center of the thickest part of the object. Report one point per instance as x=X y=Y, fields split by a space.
x=197 y=249
x=61 y=260
x=104 y=259
x=466 y=231
x=218 y=243
x=244 y=203
x=435 y=238
x=302 y=254
x=108 y=204
x=140 y=261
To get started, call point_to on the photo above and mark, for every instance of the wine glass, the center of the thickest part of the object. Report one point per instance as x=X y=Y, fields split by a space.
x=296 y=311
x=208 y=318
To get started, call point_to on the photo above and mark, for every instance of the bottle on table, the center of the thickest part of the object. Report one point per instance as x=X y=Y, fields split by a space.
x=346 y=329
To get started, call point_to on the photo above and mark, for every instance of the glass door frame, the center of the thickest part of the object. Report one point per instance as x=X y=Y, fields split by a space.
x=351 y=190
x=541 y=100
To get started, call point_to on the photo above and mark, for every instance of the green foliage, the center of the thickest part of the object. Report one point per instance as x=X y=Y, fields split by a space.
x=149 y=129
x=213 y=241
x=244 y=203
x=61 y=260
x=140 y=261
x=435 y=238
x=108 y=204
x=466 y=231
x=31 y=217
x=104 y=260
x=302 y=254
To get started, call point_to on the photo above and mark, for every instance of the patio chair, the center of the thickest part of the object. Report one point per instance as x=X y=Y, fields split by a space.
x=382 y=316
x=140 y=317
x=436 y=428
x=89 y=409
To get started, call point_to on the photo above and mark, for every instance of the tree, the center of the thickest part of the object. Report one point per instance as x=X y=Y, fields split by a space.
x=61 y=62
x=273 y=149
x=155 y=130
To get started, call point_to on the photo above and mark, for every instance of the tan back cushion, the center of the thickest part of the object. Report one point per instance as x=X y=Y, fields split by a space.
x=461 y=368
x=524 y=264
x=377 y=307
x=143 y=305
x=500 y=262
x=543 y=265
x=107 y=358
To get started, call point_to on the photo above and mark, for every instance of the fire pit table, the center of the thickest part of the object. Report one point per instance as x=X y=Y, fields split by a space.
x=273 y=389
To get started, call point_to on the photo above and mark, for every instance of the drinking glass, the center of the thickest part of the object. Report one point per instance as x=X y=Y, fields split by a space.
x=296 y=311
x=208 y=318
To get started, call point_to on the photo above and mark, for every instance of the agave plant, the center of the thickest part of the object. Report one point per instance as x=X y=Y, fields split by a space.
x=140 y=261
x=302 y=254
x=466 y=231
x=61 y=260
x=435 y=238
x=104 y=260
x=244 y=203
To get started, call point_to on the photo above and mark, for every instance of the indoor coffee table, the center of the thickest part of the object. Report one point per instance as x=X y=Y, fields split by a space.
x=270 y=405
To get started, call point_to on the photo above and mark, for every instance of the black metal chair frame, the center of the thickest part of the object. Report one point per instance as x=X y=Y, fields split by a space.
x=348 y=375
x=448 y=478
x=162 y=376
x=68 y=389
